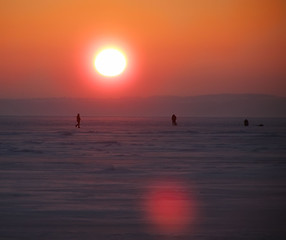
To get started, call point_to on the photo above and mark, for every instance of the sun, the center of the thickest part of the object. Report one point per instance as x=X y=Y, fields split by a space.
x=110 y=62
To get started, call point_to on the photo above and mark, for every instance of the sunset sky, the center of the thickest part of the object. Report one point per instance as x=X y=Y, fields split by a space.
x=182 y=47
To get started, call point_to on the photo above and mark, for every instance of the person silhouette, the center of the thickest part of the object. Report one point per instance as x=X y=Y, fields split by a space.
x=78 y=121
x=246 y=123
x=174 y=120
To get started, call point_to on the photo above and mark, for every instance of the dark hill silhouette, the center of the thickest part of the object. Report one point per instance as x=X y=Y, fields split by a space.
x=225 y=105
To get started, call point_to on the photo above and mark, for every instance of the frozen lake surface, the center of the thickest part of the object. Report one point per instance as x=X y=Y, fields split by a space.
x=60 y=182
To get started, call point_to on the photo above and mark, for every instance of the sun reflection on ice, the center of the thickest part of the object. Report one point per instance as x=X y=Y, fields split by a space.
x=169 y=207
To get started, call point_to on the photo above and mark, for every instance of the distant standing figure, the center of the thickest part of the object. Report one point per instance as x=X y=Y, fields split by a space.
x=174 y=120
x=78 y=121
x=246 y=123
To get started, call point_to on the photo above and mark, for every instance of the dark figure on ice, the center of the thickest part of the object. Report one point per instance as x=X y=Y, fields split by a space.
x=174 y=120
x=78 y=121
x=246 y=123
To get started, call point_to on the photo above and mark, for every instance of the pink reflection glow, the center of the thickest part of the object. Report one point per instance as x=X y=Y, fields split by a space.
x=169 y=207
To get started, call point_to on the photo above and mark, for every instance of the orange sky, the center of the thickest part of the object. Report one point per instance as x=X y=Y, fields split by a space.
x=182 y=47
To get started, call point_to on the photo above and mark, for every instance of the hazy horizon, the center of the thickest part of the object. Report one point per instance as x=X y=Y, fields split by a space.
x=144 y=97
x=223 y=105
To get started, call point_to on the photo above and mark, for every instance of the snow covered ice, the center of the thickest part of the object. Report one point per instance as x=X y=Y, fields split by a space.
x=60 y=182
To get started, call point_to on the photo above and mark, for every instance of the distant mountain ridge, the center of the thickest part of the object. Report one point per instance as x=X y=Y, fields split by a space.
x=223 y=105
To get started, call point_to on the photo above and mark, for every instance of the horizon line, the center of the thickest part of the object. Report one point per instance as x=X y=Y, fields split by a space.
x=145 y=97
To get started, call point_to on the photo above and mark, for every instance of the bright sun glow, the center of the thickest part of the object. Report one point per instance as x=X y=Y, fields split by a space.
x=110 y=62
